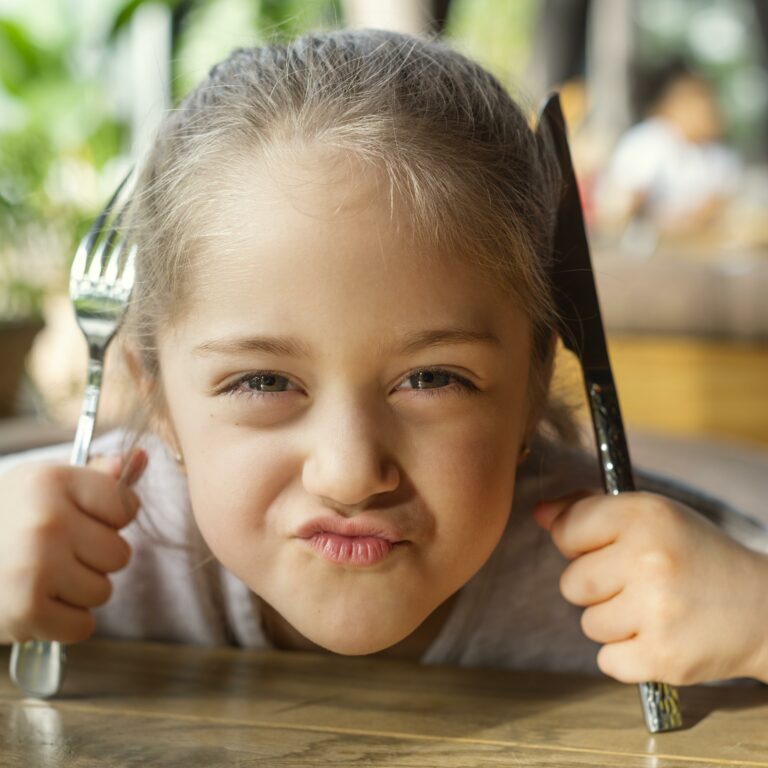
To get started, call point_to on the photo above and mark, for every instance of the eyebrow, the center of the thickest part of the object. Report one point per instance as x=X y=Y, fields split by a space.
x=290 y=346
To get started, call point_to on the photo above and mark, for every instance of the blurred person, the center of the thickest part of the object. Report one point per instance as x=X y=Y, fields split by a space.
x=670 y=174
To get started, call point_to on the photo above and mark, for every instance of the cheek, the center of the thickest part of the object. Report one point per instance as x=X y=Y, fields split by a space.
x=480 y=480
x=233 y=484
x=469 y=486
x=232 y=472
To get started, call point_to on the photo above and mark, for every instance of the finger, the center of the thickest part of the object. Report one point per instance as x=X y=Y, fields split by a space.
x=134 y=467
x=129 y=469
x=99 y=547
x=586 y=525
x=545 y=512
x=594 y=577
x=63 y=623
x=83 y=588
x=610 y=622
x=101 y=497
x=626 y=662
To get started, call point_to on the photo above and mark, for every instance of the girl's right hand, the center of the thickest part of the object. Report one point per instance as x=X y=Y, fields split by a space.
x=58 y=541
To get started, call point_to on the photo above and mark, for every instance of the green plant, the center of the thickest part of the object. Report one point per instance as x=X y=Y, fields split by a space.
x=57 y=131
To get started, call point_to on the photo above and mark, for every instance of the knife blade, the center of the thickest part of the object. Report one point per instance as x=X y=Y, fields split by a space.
x=580 y=327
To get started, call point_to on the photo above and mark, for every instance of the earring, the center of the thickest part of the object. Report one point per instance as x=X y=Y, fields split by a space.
x=178 y=458
x=525 y=452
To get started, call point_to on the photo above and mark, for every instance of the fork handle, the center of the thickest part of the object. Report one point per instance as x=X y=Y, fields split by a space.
x=37 y=666
x=87 y=420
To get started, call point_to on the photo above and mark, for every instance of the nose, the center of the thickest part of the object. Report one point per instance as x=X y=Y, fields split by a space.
x=347 y=464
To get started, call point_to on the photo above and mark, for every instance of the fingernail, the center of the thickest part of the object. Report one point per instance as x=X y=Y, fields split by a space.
x=544 y=513
x=137 y=463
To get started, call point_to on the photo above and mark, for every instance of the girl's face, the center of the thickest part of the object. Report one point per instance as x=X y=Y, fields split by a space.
x=350 y=410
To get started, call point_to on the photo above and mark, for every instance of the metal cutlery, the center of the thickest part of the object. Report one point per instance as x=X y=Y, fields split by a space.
x=100 y=283
x=581 y=330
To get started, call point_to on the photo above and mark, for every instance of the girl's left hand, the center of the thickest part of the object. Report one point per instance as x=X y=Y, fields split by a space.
x=669 y=596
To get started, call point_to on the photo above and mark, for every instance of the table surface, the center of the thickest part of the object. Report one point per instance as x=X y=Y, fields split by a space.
x=142 y=704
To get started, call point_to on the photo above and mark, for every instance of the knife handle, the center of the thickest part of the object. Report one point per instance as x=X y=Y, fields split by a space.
x=613 y=452
x=661 y=706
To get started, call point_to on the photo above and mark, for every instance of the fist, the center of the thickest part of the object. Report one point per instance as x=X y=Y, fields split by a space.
x=669 y=596
x=60 y=538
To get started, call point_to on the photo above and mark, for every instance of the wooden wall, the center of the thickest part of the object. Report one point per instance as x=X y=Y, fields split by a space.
x=685 y=386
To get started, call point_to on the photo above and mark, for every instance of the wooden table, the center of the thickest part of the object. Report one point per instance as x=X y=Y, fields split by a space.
x=137 y=704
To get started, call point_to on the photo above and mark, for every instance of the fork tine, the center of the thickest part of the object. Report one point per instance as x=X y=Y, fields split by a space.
x=97 y=225
x=88 y=241
x=106 y=248
x=113 y=245
x=97 y=262
x=77 y=271
x=113 y=260
x=128 y=274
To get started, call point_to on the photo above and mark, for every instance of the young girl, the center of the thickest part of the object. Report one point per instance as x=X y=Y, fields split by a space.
x=343 y=328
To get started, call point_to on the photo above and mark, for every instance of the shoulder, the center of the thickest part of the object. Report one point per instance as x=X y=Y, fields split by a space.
x=724 y=482
x=161 y=488
x=727 y=482
x=511 y=614
x=554 y=469
x=170 y=589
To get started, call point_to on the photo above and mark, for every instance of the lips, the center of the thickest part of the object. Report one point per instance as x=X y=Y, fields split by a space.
x=353 y=542
x=352 y=528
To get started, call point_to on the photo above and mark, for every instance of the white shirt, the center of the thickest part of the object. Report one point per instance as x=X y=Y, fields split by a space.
x=509 y=615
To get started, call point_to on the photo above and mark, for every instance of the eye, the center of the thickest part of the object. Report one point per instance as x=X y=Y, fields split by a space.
x=261 y=384
x=433 y=382
x=436 y=382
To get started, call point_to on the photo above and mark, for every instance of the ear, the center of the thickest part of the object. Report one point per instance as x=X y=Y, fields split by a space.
x=140 y=377
x=543 y=385
x=150 y=387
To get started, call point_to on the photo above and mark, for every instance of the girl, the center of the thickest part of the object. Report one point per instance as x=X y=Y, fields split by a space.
x=342 y=326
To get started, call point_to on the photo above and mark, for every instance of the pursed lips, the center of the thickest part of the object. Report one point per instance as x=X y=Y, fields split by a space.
x=353 y=527
x=357 y=542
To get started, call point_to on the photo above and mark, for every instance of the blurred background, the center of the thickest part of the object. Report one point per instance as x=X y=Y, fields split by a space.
x=667 y=104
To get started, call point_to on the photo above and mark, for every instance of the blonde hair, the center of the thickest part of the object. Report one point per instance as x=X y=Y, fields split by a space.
x=457 y=152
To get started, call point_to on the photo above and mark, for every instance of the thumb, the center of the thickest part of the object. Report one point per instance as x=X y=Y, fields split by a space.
x=129 y=469
x=545 y=512
x=109 y=465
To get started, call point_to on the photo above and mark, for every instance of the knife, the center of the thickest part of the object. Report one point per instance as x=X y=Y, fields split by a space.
x=581 y=329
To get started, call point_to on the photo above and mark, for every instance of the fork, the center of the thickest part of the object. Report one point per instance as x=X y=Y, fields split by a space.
x=100 y=283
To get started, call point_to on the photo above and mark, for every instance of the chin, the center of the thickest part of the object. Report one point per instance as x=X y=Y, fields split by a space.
x=357 y=637
x=358 y=645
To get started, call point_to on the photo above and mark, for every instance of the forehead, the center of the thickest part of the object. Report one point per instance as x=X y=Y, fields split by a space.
x=290 y=191
x=313 y=237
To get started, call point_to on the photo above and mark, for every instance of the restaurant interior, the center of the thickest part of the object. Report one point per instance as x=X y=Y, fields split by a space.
x=666 y=107
x=681 y=286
